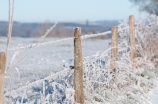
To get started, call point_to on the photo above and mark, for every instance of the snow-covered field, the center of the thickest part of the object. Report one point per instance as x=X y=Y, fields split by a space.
x=46 y=60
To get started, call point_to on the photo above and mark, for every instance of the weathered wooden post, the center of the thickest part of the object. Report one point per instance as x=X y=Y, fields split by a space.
x=2 y=76
x=78 y=65
x=132 y=40
x=114 y=45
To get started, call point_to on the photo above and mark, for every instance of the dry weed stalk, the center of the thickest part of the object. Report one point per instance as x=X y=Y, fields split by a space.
x=10 y=24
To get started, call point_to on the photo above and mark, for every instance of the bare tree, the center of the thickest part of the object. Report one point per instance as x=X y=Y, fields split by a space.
x=150 y=6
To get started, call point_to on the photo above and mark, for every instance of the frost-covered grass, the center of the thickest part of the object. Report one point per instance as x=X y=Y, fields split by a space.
x=102 y=85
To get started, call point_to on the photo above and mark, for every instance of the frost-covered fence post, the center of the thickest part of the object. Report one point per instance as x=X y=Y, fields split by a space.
x=2 y=76
x=132 y=40
x=78 y=64
x=114 y=46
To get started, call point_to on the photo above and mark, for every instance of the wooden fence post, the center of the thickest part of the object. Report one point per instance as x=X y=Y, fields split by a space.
x=2 y=76
x=114 y=43
x=78 y=65
x=132 y=40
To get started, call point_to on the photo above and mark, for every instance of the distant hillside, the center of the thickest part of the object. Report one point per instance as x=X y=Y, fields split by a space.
x=64 y=29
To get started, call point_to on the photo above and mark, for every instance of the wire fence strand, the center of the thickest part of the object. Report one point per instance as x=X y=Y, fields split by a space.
x=61 y=40
x=58 y=41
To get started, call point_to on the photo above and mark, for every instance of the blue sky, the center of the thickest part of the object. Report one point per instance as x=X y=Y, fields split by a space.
x=69 y=10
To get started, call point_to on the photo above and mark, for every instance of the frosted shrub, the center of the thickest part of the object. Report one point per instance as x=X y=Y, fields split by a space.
x=146 y=34
x=105 y=85
x=124 y=84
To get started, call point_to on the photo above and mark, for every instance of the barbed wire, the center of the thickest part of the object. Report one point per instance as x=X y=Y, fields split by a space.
x=61 y=40
x=58 y=41
x=40 y=44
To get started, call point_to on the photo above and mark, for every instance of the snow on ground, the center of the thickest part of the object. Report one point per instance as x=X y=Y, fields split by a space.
x=46 y=60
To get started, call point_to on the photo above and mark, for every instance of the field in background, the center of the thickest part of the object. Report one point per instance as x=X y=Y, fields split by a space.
x=61 y=30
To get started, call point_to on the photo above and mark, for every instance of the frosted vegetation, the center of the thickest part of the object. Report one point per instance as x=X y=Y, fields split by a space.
x=102 y=85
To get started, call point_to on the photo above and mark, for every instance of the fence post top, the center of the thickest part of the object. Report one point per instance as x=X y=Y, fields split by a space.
x=77 y=29
x=131 y=16
x=114 y=28
x=77 y=32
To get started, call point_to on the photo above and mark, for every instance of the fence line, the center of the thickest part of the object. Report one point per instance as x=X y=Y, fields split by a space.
x=78 y=58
